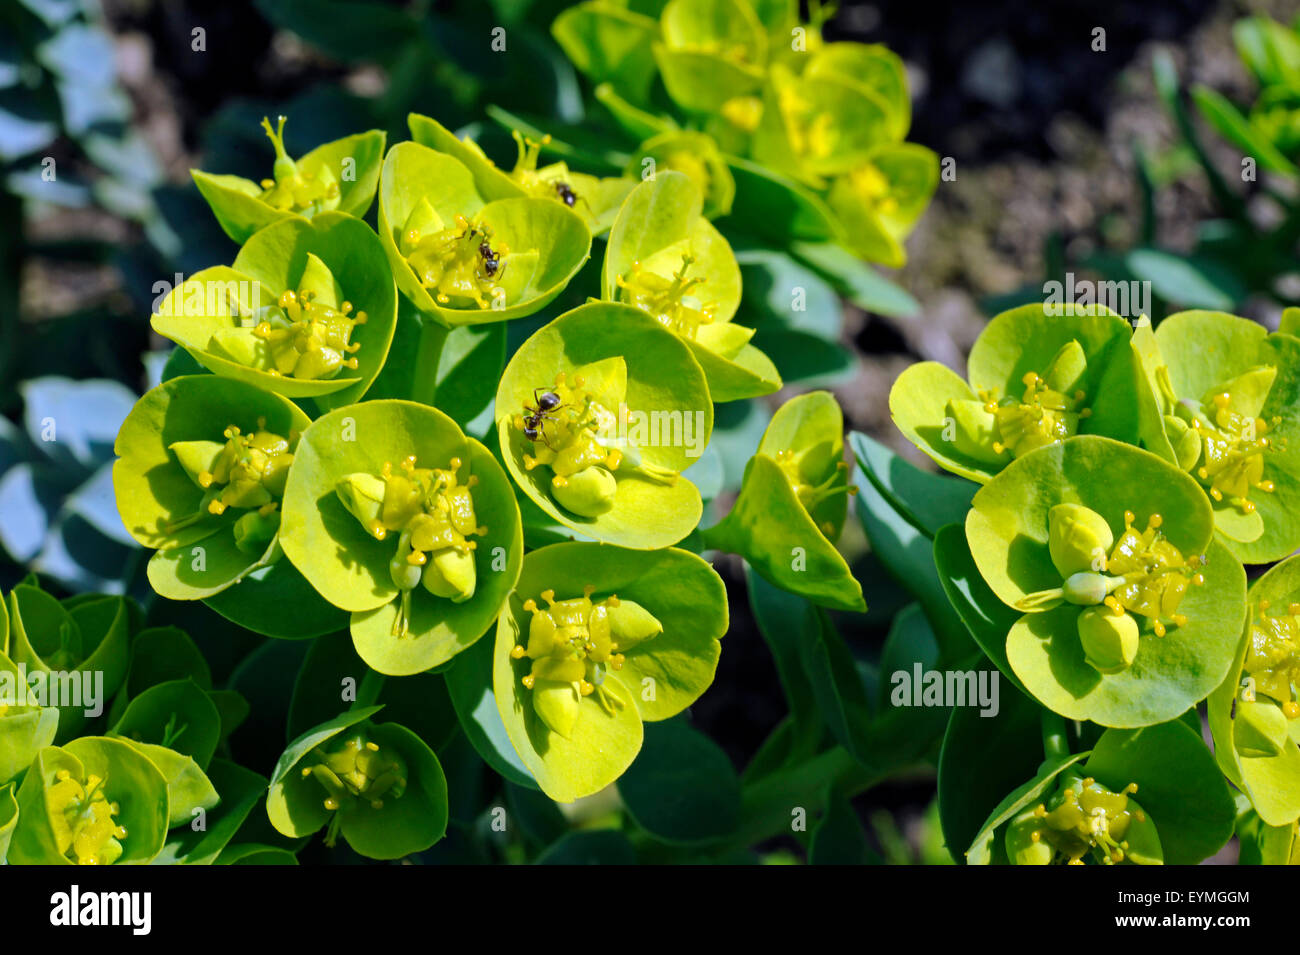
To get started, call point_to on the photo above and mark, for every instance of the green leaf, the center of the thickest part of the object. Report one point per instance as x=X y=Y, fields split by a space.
x=609 y=44
x=8 y=818
x=240 y=790
x=987 y=847
x=596 y=847
x=470 y=683
x=928 y=501
x=177 y=714
x=1237 y=129
x=838 y=839
x=681 y=788
x=188 y=787
x=24 y=731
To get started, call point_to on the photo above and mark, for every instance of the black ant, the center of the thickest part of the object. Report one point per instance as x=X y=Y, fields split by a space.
x=567 y=195
x=535 y=417
x=491 y=260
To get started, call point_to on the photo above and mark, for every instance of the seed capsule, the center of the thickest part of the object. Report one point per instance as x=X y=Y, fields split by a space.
x=590 y=492
x=1110 y=640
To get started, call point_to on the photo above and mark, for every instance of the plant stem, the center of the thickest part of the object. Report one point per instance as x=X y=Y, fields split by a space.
x=1055 y=743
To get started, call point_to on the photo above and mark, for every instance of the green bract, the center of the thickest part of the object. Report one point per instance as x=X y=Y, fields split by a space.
x=86 y=640
x=393 y=514
x=307 y=310
x=596 y=639
x=1035 y=378
x=463 y=255
x=595 y=199
x=201 y=470
x=667 y=260
x=632 y=412
x=712 y=52
x=376 y=783
x=94 y=801
x=1153 y=796
x=341 y=175
x=695 y=155
x=1254 y=715
x=1224 y=404
x=25 y=727
x=1160 y=569
x=792 y=504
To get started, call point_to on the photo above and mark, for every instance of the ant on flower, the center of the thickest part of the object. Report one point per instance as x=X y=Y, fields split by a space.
x=536 y=415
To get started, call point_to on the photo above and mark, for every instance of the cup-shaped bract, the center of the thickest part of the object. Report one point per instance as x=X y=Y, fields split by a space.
x=667 y=260
x=792 y=504
x=1146 y=796
x=695 y=155
x=200 y=476
x=1185 y=591
x=880 y=199
x=463 y=256
x=93 y=801
x=1224 y=403
x=83 y=645
x=598 y=413
x=595 y=199
x=1038 y=375
x=1254 y=715
x=611 y=44
x=308 y=310
x=394 y=515
x=26 y=726
x=377 y=784
x=339 y=175
x=595 y=640
x=712 y=51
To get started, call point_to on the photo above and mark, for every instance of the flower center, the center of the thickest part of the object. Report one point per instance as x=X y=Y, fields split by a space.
x=873 y=189
x=568 y=422
x=433 y=513
x=309 y=339
x=1155 y=573
x=810 y=495
x=1041 y=417
x=1273 y=657
x=458 y=262
x=671 y=302
x=247 y=472
x=355 y=775
x=82 y=817
x=294 y=189
x=1086 y=819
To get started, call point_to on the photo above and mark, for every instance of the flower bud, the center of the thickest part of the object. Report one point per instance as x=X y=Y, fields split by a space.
x=1185 y=441
x=589 y=493
x=557 y=704
x=1260 y=729
x=1078 y=539
x=254 y=531
x=450 y=573
x=631 y=624
x=1110 y=640
x=363 y=496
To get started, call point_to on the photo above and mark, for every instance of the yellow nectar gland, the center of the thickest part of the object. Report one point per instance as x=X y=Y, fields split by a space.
x=295 y=189
x=355 y=775
x=810 y=495
x=460 y=262
x=248 y=472
x=873 y=189
x=310 y=340
x=1273 y=656
x=1086 y=821
x=1156 y=575
x=672 y=302
x=1043 y=416
x=81 y=816
x=1232 y=453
